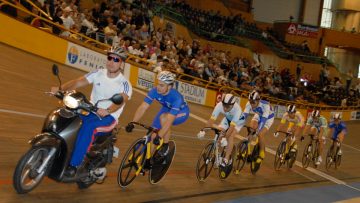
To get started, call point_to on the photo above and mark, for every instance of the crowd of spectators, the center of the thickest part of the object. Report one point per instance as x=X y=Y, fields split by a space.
x=131 y=27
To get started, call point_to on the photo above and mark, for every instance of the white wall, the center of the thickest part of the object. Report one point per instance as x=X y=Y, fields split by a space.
x=271 y=10
x=311 y=14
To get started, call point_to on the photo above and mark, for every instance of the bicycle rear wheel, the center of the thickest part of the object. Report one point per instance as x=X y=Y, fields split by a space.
x=254 y=167
x=159 y=170
x=292 y=158
x=241 y=157
x=307 y=156
x=224 y=172
x=132 y=163
x=280 y=156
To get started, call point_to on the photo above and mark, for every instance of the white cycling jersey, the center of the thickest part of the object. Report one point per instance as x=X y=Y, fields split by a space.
x=233 y=115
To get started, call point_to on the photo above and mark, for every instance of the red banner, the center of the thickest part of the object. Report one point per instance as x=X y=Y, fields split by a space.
x=303 y=30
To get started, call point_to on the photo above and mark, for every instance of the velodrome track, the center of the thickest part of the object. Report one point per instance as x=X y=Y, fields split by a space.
x=23 y=105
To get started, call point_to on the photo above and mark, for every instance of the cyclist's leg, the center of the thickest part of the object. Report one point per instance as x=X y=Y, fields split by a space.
x=340 y=137
x=298 y=130
x=315 y=131
x=180 y=118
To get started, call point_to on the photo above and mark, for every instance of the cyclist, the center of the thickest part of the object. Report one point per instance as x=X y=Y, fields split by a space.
x=174 y=109
x=231 y=123
x=262 y=120
x=317 y=125
x=106 y=83
x=296 y=124
x=337 y=129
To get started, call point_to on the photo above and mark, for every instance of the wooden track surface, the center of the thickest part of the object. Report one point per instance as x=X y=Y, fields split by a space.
x=23 y=80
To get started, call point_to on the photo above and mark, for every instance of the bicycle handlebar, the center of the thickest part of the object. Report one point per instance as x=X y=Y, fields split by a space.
x=286 y=133
x=216 y=130
x=145 y=126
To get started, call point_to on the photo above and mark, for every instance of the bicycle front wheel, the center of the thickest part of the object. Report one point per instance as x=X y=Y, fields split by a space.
x=329 y=157
x=254 y=166
x=132 y=163
x=205 y=162
x=280 y=156
x=307 y=156
x=241 y=157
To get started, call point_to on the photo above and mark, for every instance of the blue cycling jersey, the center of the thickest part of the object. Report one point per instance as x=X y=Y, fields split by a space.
x=173 y=100
x=338 y=128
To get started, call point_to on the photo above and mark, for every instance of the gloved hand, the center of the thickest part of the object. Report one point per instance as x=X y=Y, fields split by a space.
x=129 y=128
x=223 y=142
x=302 y=138
x=276 y=134
x=156 y=140
x=201 y=134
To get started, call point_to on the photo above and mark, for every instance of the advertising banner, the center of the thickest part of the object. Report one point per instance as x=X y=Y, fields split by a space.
x=355 y=115
x=145 y=79
x=303 y=30
x=219 y=97
x=279 y=111
x=83 y=58
x=192 y=93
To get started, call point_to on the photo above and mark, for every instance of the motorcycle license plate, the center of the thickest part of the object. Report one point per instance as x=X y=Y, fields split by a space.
x=116 y=152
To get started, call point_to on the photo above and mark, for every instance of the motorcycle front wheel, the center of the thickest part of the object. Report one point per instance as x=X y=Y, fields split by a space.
x=26 y=178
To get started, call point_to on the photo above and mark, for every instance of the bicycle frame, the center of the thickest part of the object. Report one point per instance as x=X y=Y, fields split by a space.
x=147 y=145
x=215 y=140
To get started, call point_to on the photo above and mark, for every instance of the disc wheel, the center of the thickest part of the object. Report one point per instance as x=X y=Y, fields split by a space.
x=159 y=170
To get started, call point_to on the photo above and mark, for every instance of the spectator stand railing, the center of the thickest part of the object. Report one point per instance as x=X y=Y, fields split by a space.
x=251 y=34
x=100 y=47
x=171 y=14
x=85 y=40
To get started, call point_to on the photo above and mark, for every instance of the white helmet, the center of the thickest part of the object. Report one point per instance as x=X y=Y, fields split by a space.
x=166 y=77
x=228 y=99
x=315 y=113
x=254 y=95
x=337 y=116
x=291 y=108
x=118 y=51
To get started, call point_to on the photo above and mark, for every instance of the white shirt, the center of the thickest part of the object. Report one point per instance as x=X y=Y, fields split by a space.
x=105 y=87
x=263 y=109
x=233 y=115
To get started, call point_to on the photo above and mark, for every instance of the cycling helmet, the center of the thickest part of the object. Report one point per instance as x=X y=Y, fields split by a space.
x=315 y=113
x=166 y=77
x=336 y=116
x=228 y=99
x=254 y=95
x=118 y=51
x=291 y=108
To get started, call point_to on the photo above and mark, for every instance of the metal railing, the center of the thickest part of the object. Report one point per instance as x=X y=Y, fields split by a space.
x=141 y=63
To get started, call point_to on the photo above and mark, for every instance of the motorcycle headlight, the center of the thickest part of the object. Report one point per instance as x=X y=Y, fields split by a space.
x=71 y=102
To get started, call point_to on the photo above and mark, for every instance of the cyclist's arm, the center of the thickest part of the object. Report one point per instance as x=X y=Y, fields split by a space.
x=72 y=84
x=282 y=122
x=140 y=111
x=264 y=117
x=246 y=110
x=214 y=115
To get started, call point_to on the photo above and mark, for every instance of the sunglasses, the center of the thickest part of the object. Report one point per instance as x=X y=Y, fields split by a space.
x=115 y=59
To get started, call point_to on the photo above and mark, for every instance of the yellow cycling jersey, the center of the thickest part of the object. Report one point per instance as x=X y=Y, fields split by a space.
x=298 y=120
